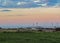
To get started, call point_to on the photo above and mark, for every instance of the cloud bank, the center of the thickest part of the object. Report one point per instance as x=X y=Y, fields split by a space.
x=29 y=3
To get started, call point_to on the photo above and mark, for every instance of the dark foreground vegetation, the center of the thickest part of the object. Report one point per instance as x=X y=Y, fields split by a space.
x=29 y=37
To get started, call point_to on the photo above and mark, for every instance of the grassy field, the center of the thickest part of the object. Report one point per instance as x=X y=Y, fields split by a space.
x=33 y=37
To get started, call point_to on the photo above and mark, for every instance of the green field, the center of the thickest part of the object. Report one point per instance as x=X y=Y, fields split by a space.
x=33 y=37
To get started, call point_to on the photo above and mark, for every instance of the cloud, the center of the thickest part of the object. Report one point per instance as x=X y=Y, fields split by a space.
x=45 y=4
x=21 y=3
x=15 y=15
x=57 y=5
x=36 y=0
x=54 y=3
x=28 y=3
x=6 y=10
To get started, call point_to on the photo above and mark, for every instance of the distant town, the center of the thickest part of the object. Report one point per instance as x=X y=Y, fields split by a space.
x=30 y=29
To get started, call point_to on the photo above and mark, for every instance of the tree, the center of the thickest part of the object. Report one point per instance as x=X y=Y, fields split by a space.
x=0 y=28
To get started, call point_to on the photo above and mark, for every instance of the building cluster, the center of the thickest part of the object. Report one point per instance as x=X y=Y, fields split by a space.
x=30 y=29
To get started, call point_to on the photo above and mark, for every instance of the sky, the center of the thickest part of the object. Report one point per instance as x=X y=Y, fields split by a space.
x=28 y=3
x=23 y=13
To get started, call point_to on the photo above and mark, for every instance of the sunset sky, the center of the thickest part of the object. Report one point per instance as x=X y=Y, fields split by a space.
x=26 y=13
